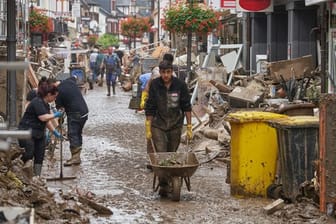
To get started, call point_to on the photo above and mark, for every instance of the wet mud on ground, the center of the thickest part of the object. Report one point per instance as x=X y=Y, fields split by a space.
x=114 y=169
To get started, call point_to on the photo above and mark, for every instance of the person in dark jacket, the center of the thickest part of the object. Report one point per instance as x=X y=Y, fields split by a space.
x=71 y=99
x=36 y=117
x=167 y=104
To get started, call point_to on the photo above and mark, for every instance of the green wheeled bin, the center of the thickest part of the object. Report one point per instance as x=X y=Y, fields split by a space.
x=298 y=149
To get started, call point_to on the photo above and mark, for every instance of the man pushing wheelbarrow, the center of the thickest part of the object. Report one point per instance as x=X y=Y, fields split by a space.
x=167 y=104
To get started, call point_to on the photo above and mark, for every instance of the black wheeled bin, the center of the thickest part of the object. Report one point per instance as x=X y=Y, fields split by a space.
x=298 y=149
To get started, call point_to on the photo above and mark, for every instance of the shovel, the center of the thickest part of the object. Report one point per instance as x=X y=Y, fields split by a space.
x=61 y=177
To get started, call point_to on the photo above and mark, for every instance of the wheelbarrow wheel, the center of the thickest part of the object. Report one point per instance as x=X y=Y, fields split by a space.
x=176 y=188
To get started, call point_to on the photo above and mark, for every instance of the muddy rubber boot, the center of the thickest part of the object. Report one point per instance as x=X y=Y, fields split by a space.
x=75 y=157
x=108 y=90
x=90 y=85
x=100 y=83
x=28 y=169
x=37 y=169
x=113 y=88
x=101 y=80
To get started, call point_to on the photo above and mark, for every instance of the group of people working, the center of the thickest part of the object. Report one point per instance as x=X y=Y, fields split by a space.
x=39 y=115
x=165 y=99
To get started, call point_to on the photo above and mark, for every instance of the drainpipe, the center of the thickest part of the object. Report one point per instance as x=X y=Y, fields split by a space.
x=189 y=39
x=323 y=48
x=158 y=33
x=11 y=57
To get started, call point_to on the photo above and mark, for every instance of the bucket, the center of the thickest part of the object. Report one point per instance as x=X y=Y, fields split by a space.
x=134 y=90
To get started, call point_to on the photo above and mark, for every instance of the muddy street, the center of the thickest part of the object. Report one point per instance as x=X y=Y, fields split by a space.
x=114 y=169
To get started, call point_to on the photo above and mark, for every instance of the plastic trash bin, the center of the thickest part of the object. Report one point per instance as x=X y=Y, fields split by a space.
x=79 y=72
x=298 y=149
x=254 y=151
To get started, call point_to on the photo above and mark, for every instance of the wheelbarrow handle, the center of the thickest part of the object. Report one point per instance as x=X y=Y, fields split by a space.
x=153 y=146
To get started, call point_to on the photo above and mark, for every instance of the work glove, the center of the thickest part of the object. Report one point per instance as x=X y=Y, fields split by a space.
x=58 y=114
x=144 y=96
x=57 y=134
x=148 y=129
x=53 y=109
x=189 y=132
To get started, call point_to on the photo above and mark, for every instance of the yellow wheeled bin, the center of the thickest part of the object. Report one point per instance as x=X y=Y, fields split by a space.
x=254 y=151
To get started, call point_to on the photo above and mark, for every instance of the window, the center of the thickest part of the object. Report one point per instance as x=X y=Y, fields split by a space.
x=3 y=20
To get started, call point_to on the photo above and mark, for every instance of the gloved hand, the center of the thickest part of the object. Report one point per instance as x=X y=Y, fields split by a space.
x=144 y=96
x=53 y=109
x=58 y=114
x=57 y=134
x=189 y=131
x=148 y=129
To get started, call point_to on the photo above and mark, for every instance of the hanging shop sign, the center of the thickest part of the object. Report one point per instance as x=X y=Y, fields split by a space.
x=254 y=5
x=228 y=4
x=314 y=2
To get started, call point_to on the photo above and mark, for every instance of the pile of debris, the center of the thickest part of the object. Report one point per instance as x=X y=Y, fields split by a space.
x=19 y=190
x=289 y=87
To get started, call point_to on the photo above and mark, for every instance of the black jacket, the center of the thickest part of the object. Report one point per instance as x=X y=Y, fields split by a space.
x=71 y=98
x=167 y=106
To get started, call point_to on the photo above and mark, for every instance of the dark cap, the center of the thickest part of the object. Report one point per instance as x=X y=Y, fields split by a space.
x=165 y=65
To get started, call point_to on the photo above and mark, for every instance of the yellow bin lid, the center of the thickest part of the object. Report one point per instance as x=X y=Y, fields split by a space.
x=252 y=116
x=295 y=122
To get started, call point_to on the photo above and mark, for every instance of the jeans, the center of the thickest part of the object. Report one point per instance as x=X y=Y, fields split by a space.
x=111 y=79
x=75 y=129
x=93 y=68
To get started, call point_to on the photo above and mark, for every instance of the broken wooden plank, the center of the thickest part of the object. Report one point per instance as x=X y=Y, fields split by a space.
x=33 y=81
x=244 y=97
x=221 y=87
x=274 y=206
x=298 y=67
x=97 y=207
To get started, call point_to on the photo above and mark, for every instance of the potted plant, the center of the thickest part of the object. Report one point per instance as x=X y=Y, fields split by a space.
x=38 y=22
x=184 y=17
x=135 y=27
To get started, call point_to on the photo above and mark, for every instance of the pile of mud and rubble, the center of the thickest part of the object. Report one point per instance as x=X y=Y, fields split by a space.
x=19 y=189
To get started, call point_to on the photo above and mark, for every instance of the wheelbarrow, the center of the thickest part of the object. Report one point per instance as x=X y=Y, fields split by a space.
x=176 y=167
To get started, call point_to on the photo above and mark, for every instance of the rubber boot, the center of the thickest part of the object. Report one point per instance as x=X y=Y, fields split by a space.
x=101 y=79
x=108 y=90
x=113 y=88
x=37 y=169
x=90 y=84
x=75 y=157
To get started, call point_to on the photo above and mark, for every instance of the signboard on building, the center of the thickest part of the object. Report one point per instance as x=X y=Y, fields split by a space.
x=254 y=5
x=228 y=4
x=76 y=11
x=314 y=2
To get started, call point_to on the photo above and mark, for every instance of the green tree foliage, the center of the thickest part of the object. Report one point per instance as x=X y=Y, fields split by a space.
x=107 y=40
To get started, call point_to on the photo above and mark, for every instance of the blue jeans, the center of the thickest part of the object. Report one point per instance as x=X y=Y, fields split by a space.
x=75 y=129
x=93 y=68
x=111 y=79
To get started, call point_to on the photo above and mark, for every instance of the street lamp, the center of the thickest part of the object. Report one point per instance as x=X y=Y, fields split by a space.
x=134 y=16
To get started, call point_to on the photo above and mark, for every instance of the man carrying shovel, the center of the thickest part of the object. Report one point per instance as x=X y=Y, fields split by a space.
x=167 y=104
